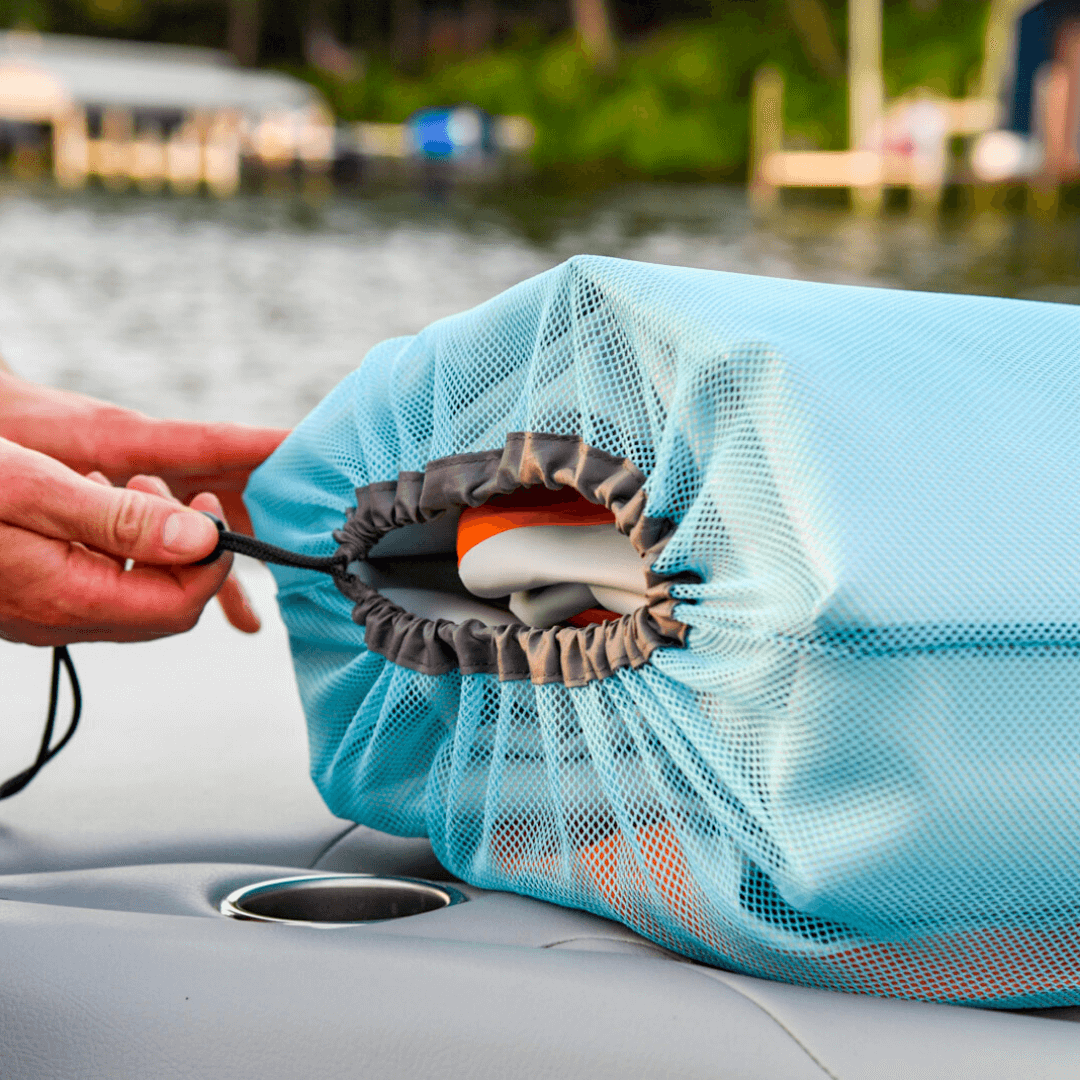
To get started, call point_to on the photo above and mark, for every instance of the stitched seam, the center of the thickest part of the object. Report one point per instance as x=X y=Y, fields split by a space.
x=698 y=970
x=331 y=844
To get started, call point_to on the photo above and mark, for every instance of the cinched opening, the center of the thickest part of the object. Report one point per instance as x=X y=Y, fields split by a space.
x=529 y=562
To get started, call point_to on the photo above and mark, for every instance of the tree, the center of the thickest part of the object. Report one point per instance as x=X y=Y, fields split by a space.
x=592 y=22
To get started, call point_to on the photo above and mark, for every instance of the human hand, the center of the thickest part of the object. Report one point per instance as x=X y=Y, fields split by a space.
x=89 y=435
x=231 y=596
x=64 y=541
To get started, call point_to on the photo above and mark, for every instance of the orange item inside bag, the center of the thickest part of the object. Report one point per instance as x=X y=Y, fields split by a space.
x=524 y=507
x=532 y=507
x=592 y=615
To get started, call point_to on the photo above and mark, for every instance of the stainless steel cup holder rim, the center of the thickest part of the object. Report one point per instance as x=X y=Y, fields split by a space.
x=335 y=901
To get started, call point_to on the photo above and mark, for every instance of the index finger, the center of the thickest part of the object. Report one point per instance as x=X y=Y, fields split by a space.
x=216 y=456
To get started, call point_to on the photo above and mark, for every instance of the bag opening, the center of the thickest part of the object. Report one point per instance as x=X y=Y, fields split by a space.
x=548 y=570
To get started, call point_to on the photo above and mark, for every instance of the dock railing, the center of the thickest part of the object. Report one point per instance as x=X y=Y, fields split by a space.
x=909 y=149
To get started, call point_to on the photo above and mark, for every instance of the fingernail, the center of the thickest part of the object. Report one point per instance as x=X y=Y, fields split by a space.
x=188 y=534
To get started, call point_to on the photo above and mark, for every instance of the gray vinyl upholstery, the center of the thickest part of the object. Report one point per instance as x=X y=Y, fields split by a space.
x=189 y=780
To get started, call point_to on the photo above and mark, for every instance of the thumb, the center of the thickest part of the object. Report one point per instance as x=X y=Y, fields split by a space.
x=48 y=498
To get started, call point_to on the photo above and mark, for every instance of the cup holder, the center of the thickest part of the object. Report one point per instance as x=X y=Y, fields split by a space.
x=335 y=900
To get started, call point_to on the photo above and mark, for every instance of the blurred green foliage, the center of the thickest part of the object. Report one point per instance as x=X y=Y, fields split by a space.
x=677 y=102
x=185 y=22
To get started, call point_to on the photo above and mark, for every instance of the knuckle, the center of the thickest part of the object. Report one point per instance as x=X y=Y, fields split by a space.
x=130 y=519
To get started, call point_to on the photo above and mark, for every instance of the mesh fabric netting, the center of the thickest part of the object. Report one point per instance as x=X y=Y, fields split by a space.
x=862 y=769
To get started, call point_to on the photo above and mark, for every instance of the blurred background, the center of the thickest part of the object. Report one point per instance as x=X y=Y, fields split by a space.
x=213 y=208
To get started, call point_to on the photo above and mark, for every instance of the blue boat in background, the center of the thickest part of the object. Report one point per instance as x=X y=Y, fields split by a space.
x=444 y=133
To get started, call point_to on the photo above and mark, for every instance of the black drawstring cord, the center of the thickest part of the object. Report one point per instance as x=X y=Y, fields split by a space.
x=257 y=549
x=61 y=657
x=227 y=541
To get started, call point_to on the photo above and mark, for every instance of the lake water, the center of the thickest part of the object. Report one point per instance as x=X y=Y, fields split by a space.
x=253 y=308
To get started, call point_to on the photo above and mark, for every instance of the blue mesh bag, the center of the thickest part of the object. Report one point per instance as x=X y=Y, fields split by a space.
x=838 y=743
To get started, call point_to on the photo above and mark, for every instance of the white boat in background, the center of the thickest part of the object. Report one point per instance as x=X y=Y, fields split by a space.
x=149 y=114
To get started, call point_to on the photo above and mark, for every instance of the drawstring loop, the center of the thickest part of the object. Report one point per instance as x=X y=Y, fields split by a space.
x=61 y=658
